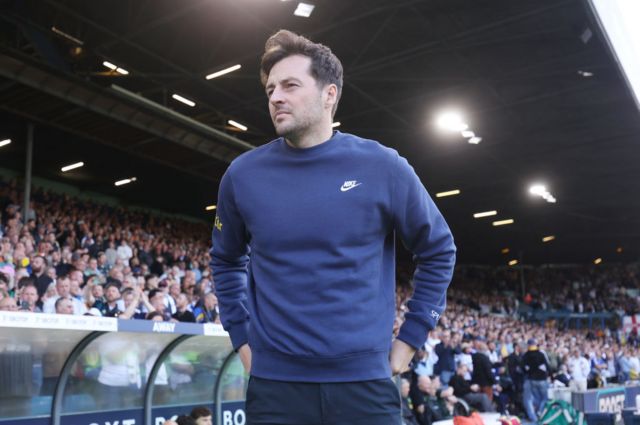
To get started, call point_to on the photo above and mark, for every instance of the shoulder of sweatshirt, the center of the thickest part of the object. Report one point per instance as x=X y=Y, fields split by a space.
x=248 y=157
x=367 y=146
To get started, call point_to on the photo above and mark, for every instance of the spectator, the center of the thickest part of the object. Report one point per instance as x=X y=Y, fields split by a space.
x=63 y=305
x=445 y=367
x=207 y=310
x=38 y=268
x=408 y=417
x=157 y=301
x=482 y=369
x=202 y=415
x=183 y=314
x=536 y=369
x=124 y=252
x=469 y=392
x=8 y=304
x=111 y=307
x=579 y=370
x=63 y=289
x=29 y=298
x=132 y=299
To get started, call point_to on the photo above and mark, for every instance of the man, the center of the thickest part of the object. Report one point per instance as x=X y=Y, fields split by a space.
x=469 y=392
x=207 y=310
x=408 y=417
x=63 y=288
x=579 y=368
x=112 y=306
x=38 y=268
x=202 y=415
x=183 y=314
x=482 y=369
x=445 y=352
x=536 y=372
x=63 y=306
x=433 y=402
x=29 y=298
x=313 y=311
x=8 y=304
x=156 y=300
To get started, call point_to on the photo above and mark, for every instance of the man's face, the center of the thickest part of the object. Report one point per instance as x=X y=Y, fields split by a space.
x=128 y=299
x=37 y=265
x=97 y=291
x=29 y=295
x=65 y=307
x=210 y=301
x=63 y=286
x=204 y=420
x=158 y=302
x=424 y=383
x=112 y=294
x=174 y=290
x=296 y=102
x=8 y=304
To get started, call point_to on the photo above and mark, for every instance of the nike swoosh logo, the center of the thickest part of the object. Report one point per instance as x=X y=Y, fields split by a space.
x=345 y=188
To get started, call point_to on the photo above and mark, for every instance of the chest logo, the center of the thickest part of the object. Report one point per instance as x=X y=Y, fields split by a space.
x=349 y=184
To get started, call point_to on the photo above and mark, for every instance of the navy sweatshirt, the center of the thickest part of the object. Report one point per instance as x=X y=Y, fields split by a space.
x=303 y=258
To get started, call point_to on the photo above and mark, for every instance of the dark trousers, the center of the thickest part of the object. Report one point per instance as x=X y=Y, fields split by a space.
x=301 y=403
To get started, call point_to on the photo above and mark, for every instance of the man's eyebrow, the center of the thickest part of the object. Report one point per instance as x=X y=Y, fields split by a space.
x=283 y=81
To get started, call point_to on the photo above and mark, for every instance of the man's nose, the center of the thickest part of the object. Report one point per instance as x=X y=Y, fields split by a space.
x=276 y=96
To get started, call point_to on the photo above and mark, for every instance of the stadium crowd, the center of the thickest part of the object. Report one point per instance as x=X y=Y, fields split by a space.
x=79 y=257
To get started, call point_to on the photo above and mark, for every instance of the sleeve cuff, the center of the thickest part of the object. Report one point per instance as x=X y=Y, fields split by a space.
x=414 y=333
x=239 y=335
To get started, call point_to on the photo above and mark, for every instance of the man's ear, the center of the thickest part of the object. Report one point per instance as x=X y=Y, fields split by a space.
x=331 y=95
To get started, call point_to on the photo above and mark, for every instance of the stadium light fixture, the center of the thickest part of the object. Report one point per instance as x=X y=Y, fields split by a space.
x=485 y=214
x=72 y=167
x=597 y=261
x=503 y=222
x=237 y=125
x=451 y=121
x=183 y=100
x=67 y=36
x=125 y=181
x=115 y=68
x=210 y=208
x=505 y=250
x=619 y=22
x=304 y=10
x=5 y=142
x=448 y=193
x=475 y=140
x=548 y=238
x=541 y=191
x=223 y=72
x=513 y=262
x=336 y=124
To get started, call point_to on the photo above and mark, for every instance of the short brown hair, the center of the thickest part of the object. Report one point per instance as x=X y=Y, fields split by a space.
x=326 y=68
x=200 y=412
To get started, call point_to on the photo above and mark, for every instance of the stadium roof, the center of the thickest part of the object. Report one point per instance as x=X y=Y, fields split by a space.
x=534 y=80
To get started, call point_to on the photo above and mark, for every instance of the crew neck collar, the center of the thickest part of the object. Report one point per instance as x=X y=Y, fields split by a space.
x=321 y=147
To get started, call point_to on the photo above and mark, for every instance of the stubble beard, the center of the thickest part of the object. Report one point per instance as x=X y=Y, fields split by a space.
x=293 y=131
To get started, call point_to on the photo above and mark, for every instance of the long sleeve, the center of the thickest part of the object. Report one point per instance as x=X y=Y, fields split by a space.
x=426 y=234
x=229 y=259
